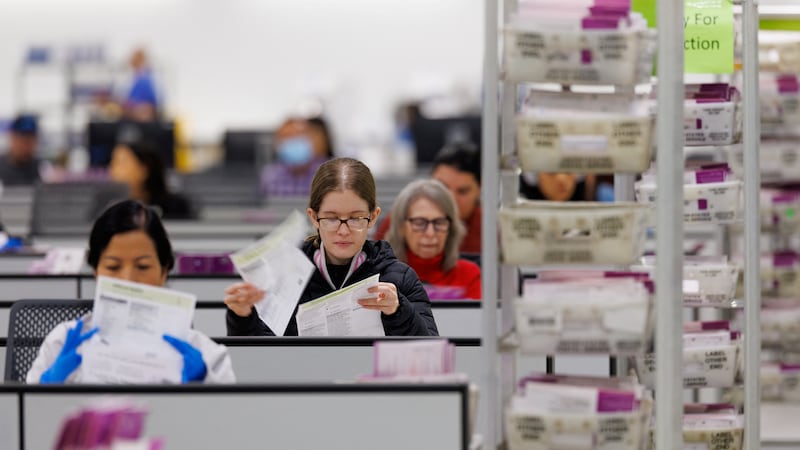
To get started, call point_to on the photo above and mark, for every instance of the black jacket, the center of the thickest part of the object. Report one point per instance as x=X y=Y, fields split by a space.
x=412 y=318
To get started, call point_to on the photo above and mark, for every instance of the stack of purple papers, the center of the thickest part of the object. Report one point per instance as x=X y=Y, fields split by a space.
x=102 y=424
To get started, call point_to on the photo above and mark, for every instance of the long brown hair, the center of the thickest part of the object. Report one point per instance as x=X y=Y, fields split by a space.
x=341 y=174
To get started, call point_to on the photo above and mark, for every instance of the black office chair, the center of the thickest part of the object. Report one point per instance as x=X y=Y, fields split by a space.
x=30 y=321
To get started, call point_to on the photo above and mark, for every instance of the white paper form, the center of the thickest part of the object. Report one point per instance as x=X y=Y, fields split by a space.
x=275 y=265
x=339 y=314
x=132 y=319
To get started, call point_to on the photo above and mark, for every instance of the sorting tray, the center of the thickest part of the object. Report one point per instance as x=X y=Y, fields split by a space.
x=703 y=203
x=703 y=367
x=612 y=431
x=541 y=232
x=591 y=57
x=616 y=143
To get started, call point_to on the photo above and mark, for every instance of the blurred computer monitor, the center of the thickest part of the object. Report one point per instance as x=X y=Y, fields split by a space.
x=103 y=136
x=431 y=135
x=247 y=148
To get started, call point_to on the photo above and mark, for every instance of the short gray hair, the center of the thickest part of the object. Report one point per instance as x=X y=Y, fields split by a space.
x=437 y=193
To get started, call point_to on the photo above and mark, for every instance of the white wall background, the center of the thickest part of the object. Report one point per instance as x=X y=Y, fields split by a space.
x=249 y=62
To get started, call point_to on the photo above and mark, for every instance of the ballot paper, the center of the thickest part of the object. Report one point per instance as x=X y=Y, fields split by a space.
x=339 y=314
x=132 y=319
x=275 y=265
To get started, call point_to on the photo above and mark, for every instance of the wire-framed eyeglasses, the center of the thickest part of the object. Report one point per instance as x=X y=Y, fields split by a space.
x=333 y=223
x=420 y=224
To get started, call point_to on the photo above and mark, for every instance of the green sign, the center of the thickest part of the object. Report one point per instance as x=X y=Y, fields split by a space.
x=647 y=8
x=708 y=36
x=708 y=33
x=780 y=24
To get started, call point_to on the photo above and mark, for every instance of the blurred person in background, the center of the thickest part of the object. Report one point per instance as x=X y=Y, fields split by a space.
x=558 y=187
x=426 y=234
x=139 y=165
x=141 y=103
x=458 y=167
x=301 y=146
x=20 y=166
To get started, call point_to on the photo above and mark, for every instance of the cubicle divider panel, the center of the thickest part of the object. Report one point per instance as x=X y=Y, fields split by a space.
x=18 y=262
x=455 y=319
x=268 y=416
x=210 y=318
x=86 y=286
x=206 y=287
x=183 y=243
x=9 y=420
x=15 y=287
x=210 y=288
x=5 y=313
x=271 y=360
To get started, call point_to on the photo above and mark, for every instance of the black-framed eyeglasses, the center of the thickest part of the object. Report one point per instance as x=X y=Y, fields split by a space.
x=420 y=224
x=333 y=223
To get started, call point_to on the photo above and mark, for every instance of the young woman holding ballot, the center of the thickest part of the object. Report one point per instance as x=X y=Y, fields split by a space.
x=128 y=242
x=342 y=207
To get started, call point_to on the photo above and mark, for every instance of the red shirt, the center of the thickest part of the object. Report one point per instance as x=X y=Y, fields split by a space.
x=465 y=274
x=471 y=242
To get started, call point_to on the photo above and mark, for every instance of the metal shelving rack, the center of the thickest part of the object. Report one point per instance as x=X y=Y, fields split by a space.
x=500 y=281
x=73 y=108
x=752 y=226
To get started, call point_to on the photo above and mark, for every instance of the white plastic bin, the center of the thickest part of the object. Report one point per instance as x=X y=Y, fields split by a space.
x=779 y=160
x=709 y=284
x=612 y=431
x=711 y=438
x=702 y=367
x=615 y=144
x=712 y=123
x=581 y=326
x=590 y=57
x=542 y=233
x=703 y=203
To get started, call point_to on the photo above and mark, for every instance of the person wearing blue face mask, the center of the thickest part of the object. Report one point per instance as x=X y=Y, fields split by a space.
x=301 y=146
x=296 y=151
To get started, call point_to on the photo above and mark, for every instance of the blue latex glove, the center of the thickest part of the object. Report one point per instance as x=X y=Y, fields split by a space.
x=194 y=368
x=68 y=359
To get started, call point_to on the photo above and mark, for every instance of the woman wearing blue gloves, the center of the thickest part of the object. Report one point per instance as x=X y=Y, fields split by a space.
x=129 y=242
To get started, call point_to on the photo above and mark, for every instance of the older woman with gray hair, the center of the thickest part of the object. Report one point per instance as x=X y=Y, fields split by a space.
x=426 y=234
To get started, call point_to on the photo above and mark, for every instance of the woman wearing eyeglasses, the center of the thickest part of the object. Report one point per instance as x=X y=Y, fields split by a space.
x=426 y=234
x=342 y=206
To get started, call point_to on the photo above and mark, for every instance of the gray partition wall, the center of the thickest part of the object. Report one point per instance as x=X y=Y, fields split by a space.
x=243 y=417
x=9 y=421
x=15 y=287
x=20 y=262
x=454 y=318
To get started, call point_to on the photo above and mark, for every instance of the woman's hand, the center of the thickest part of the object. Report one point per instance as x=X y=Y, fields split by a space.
x=240 y=298
x=68 y=358
x=194 y=368
x=385 y=299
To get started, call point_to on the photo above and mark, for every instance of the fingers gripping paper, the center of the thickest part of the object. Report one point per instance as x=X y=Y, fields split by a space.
x=275 y=265
x=132 y=318
x=339 y=314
